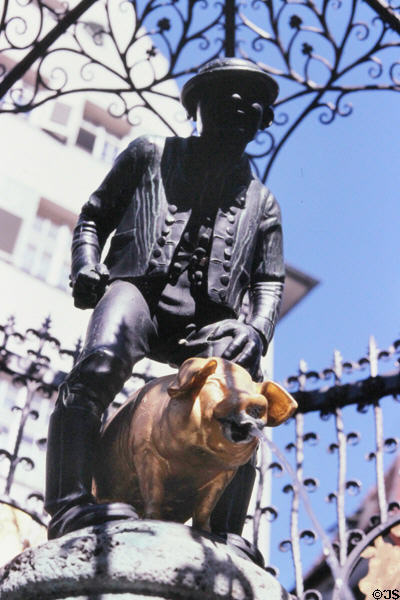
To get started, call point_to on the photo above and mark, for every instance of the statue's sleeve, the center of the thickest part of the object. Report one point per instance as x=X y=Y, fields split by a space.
x=268 y=274
x=106 y=206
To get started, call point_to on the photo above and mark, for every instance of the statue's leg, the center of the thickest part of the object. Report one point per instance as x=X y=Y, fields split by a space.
x=119 y=334
x=229 y=515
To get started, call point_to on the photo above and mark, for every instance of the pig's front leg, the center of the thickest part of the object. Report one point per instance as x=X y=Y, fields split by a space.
x=152 y=474
x=207 y=498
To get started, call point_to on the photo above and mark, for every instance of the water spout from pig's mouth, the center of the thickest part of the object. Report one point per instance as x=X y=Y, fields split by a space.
x=241 y=431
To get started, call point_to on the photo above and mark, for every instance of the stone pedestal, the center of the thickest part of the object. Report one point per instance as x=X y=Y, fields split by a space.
x=138 y=560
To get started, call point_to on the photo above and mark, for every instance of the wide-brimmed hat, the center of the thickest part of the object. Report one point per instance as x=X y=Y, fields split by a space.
x=228 y=69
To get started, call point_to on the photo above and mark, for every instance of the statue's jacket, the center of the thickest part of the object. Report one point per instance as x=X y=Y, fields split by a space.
x=146 y=199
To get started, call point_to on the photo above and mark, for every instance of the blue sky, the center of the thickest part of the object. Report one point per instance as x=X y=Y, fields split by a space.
x=339 y=187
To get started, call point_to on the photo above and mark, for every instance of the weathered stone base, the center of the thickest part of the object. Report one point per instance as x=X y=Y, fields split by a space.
x=138 y=560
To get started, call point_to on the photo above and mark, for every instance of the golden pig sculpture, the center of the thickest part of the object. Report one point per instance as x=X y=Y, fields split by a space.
x=174 y=446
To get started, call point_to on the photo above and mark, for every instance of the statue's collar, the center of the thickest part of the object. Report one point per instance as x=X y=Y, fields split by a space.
x=189 y=155
x=189 y=173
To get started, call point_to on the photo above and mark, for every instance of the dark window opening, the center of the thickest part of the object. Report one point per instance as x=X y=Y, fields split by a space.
x=85 y=140
x=9 y=228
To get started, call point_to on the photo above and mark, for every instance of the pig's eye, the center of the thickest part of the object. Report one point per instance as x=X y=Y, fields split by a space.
x=255 y=411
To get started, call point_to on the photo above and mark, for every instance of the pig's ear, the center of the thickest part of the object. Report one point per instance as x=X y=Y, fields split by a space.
x=281 y=404
x=191 y=376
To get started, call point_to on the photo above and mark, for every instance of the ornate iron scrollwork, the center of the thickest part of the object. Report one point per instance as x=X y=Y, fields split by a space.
x=131 y=50
x=320 y=53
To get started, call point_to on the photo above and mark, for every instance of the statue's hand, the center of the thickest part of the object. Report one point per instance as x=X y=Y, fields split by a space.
x=246 y=346
x=89 y=285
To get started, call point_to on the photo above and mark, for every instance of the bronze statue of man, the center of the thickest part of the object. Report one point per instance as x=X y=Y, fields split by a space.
x=194 y=230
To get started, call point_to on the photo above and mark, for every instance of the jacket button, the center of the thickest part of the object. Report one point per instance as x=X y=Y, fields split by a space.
x=229 y=241
x=169 y=220
x=153 y=263
x=172 y=208
x=200 y=252
x=204 y=239
x=224 y=279
x=229 y=231
x=227 y=266
x=165 y=231
x=161 y=241
x=157 y=252
x=233 y=210
x=222 y=295
x=227 y=253
x=231 y=219
x=176 y=267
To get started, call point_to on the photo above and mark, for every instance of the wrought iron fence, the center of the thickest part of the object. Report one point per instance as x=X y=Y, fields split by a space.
x=36 y=362
x=321 y=52
x=331 y=404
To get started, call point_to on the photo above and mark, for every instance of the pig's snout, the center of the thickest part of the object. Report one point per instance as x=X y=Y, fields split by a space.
x=243 y=425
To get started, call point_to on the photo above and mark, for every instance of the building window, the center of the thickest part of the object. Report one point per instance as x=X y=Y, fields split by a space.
x=45 y=253
x=9 y=227
x=61 y=113
x=109 y=151
x=56 y=121
x=86 y=140
x=98 y=142
x=101 y=134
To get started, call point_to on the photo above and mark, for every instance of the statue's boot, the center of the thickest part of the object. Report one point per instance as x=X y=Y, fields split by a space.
x=229 y=515
x=73 y=436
